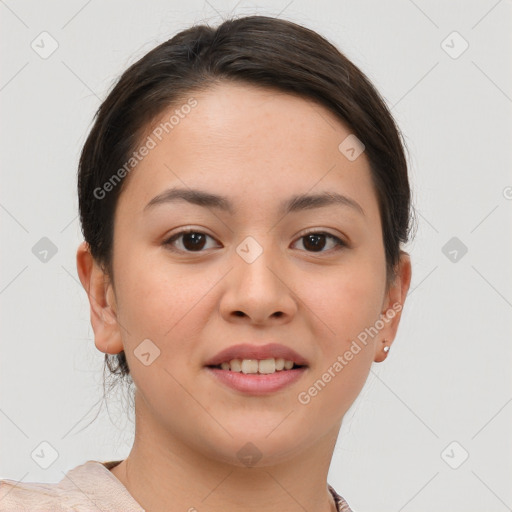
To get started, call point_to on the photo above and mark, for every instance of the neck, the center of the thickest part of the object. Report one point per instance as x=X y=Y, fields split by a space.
x=164 y=474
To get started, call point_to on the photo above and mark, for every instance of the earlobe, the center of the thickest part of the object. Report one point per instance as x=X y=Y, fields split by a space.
x=382 y=351
x=107 y=336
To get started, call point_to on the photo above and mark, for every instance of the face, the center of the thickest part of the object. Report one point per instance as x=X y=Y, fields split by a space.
x=311 y=277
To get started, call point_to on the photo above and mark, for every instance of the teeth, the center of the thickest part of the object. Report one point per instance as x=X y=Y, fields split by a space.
x=250 y=366
x=264 y=366
x=267 y=366
x=288 y=365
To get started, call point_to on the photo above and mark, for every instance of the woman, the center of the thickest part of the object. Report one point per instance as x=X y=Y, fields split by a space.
x=243 y=196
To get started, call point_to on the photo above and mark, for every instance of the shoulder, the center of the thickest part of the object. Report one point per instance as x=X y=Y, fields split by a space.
x=21 y=497
x=85 y=488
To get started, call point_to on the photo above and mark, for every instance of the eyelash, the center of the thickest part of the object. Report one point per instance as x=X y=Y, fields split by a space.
x=340 y=244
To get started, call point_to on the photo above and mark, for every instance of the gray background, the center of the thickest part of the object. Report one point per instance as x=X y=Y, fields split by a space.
x=447 y=377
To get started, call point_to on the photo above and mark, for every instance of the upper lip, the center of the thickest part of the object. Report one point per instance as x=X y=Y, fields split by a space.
x=246 y=351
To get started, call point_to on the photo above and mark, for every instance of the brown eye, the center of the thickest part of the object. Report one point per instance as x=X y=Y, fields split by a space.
x=316 y=241
x=191 y=241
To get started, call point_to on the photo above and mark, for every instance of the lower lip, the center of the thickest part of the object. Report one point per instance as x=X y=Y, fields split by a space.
x=257 y=383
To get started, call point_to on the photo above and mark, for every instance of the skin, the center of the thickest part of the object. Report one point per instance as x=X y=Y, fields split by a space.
x=258 y=147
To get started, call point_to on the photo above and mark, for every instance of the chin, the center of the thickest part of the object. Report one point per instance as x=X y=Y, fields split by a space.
x=258 y=449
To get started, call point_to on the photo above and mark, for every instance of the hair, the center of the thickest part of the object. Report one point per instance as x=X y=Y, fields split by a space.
x=254 y=50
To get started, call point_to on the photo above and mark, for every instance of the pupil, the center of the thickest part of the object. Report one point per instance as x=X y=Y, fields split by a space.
x=194 y=241
x=315 y=242
x=197 y=241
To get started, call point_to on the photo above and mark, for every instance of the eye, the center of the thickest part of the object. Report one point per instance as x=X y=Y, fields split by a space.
x=315 y=241
x=195 y=241
x=192 y=241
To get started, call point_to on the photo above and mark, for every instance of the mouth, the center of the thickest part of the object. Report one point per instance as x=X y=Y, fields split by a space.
x=257 y=377
x=248 y=358
x=257 y=369
x=258 y=366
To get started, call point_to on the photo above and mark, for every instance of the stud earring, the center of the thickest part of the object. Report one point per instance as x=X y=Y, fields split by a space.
x=386 y=347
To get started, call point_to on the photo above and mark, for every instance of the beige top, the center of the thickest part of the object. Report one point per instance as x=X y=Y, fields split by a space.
x=86 y=488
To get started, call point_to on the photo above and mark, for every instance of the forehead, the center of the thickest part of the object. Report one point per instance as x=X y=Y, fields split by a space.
x=247 y=141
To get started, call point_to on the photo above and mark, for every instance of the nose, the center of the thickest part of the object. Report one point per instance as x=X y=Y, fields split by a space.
x=258 y=292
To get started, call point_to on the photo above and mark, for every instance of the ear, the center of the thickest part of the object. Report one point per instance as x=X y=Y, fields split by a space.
x=107 y=335
x=393 y=305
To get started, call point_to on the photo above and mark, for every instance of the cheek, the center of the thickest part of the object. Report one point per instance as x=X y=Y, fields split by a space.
x=156 y=294
x=167 y=304
x=347 y=299
x=345 y=304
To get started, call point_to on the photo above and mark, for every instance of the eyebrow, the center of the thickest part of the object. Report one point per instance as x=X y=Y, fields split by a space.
x=293 y=204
